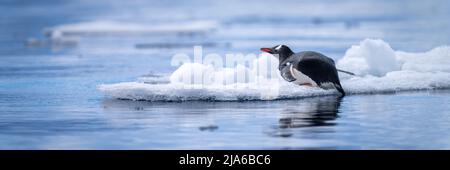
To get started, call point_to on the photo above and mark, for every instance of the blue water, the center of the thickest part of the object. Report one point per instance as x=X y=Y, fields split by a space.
x=49 y=97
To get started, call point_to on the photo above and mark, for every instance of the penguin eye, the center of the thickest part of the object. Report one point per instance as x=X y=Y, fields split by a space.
x=277 y=48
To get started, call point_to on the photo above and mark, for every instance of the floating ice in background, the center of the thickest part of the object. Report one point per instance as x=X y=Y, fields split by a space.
x=154 y=79
x=123 y=28
x=378 y=67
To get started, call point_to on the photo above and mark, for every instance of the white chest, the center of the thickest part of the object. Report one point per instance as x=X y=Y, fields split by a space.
x=301 y=78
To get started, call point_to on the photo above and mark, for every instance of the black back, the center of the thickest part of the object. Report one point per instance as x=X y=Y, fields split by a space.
x=317 y=66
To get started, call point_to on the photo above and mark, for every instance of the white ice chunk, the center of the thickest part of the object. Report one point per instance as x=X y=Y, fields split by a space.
x=378 y=67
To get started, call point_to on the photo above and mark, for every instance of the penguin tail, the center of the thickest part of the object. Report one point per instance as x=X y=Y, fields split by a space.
x=339 y=89
x=347 y=72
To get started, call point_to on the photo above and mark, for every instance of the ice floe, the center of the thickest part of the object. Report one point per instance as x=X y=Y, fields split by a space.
x=378 y=68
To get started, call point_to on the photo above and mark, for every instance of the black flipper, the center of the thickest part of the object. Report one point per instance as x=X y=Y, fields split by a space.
x=339 y=88
x=320 y=69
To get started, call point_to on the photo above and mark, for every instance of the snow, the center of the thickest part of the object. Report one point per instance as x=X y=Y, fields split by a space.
x=378 y=68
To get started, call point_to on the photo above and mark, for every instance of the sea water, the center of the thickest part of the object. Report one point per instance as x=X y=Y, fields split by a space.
x=98 y=75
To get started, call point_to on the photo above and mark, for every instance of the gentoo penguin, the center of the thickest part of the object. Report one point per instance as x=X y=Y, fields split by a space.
x=307 y=68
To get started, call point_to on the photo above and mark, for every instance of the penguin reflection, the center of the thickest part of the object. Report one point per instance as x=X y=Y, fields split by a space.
x=320 y=111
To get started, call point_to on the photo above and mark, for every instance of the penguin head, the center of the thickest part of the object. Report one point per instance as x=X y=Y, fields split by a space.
x=281 y=50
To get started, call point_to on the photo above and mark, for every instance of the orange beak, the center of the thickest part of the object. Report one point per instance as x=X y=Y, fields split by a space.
x=267 y=50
